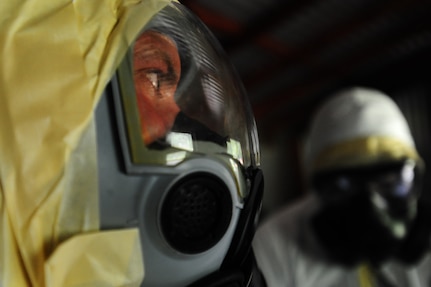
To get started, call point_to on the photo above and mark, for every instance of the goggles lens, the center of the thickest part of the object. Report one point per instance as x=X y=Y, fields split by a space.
x=390 y=181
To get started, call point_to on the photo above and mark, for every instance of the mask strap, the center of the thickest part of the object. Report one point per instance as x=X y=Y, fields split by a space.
x=365 y=276
x=370 y=277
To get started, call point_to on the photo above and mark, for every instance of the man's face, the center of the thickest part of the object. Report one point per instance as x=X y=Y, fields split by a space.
x=365 y=213
x=156 y=74
x=389 y=189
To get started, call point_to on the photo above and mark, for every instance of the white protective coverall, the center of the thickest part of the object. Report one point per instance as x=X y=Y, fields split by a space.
x=355 y=128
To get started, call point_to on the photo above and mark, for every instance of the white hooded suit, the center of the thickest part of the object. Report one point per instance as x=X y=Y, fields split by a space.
x=357 y=127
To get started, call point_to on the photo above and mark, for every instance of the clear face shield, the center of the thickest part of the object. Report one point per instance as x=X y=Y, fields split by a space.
x=178 y=154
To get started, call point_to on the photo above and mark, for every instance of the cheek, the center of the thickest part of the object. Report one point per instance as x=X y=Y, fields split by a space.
x=155 y=108
x=144 y=98
x=167 y=108
x=167 y=91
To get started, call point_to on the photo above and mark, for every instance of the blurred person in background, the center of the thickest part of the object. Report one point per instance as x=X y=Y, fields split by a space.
x=364 y=221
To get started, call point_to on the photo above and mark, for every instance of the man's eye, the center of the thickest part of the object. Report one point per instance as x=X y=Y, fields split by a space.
x=154 y=77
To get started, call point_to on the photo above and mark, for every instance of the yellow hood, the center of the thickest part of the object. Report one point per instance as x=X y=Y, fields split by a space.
x=56 y=58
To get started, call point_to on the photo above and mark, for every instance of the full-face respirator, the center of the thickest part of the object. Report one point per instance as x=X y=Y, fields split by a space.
x=178 y=155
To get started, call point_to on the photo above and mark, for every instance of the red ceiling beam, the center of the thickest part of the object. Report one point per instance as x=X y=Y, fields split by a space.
x=318 y=73
x=304 y=55
x=256 y=31
x=214 y=21
x=276 y=112
x=260 y=26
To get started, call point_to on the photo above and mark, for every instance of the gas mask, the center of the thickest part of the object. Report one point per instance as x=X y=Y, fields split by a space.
x=370 y=210
x=178 y=156
x=367 y=176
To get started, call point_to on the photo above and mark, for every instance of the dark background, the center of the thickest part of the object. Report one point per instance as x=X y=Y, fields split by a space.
x=292 y=54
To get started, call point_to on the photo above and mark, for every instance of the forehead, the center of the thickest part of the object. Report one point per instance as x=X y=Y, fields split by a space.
x=153 y=40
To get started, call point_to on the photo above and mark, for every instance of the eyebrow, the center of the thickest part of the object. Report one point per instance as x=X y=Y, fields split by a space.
x=170 y=75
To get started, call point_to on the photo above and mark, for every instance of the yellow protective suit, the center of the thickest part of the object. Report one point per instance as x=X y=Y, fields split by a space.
x=56 y=58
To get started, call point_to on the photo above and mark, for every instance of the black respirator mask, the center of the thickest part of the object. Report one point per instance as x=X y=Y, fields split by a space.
x=178 y=156
x=372 y=214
